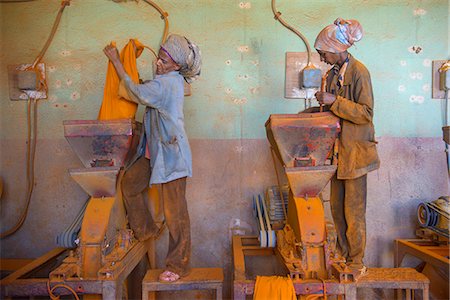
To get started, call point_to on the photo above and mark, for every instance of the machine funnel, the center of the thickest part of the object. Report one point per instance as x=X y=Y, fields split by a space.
x=303 y=142
x=304 y=139
x=103 y=143
x=309 y=181
x=97 y=182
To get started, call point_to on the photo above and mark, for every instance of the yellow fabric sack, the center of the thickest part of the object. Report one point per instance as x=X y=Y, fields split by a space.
x=114 y=106
x=274 y=288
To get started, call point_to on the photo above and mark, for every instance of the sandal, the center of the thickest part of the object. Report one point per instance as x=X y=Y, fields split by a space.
x=168 y=276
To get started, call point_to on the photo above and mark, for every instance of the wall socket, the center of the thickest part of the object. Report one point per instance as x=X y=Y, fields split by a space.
x=437 y=93
x=25 y=83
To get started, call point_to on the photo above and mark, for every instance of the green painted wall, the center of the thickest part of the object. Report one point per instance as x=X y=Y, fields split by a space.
x=242 y=83
x=243 y=48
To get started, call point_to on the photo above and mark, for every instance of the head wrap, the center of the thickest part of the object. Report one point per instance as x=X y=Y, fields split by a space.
x=339 y=36
x=184 y=53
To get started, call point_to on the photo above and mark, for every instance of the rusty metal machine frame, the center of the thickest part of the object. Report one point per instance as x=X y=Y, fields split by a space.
x=107 y=252
x=406 y=279
x=305 y=146
x=109 y=287
x=249 y=246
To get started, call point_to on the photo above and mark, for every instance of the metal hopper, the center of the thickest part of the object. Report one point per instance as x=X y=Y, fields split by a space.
x=101 y=143
x=103 y=146
x=303 y=142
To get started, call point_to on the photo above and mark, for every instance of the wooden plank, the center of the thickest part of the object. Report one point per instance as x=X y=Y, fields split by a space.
x=238 y=259
x=393 y=278
x=412 y=248
x=442 y=251
x=13 y=264
x=198 y=279
x=196 y=275
x=259 y=252
x=249 y=240
x=32 y=265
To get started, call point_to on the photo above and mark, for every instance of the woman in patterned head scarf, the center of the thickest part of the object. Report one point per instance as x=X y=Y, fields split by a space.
x=348 y=94
x=164 y=155
x=186 y=54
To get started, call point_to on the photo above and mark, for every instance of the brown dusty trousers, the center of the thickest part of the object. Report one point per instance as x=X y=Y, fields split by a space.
x=134 y=187
x=348 y=207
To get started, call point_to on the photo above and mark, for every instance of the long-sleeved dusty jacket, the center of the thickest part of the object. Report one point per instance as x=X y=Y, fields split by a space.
x=170 y=153
x=354 y=105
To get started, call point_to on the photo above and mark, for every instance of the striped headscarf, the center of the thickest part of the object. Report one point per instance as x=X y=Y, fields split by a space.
x=339 y=36
x=186 y=54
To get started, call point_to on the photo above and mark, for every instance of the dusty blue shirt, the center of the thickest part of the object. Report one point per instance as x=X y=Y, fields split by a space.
x=170 y=154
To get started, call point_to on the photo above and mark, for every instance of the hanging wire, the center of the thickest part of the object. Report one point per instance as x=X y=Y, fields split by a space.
x=285 y=24
x=31 y=151
x=164 y=16
x=32 y=126
x=64 y=3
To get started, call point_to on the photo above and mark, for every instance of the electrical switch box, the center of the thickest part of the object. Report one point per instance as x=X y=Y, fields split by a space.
x=26 y=83
x=28 y=80
x=437 y=91
x=310 y=77
x=444 y=76
x=301 y=82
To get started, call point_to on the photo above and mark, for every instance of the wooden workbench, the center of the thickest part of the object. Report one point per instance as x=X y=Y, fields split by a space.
x=434 y=255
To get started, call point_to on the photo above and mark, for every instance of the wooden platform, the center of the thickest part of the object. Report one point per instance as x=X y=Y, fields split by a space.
x=198 y=279
x=407 y=279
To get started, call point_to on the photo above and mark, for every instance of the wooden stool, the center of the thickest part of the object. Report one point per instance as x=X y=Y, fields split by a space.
x=407 y=279
x=198 y=279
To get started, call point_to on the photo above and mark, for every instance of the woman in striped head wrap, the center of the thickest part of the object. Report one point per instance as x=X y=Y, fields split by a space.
x=348 y=94
x=164 y=155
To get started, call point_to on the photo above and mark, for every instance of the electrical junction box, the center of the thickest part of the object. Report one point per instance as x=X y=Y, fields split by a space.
x=310 y=77
x=300 y=84
x=436 y=91
x=25 y=83
x=444 y=76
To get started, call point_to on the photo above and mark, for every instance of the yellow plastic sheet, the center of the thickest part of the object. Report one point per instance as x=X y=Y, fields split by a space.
x=274 y=288
x=114 y=106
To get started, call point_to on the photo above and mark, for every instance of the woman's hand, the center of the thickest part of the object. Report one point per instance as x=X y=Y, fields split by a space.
x=112 y=53
x=325 y=98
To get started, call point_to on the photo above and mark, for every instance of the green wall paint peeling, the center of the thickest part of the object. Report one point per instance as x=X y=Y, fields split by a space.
x=243 y=48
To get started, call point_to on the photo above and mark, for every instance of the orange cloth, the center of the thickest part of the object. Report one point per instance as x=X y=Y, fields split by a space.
x=274 y=288
x=114 y=106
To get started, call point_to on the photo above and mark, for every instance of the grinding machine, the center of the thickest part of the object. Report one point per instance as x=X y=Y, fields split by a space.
x=105 y=251
x=306 y=144
x=104 y=148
